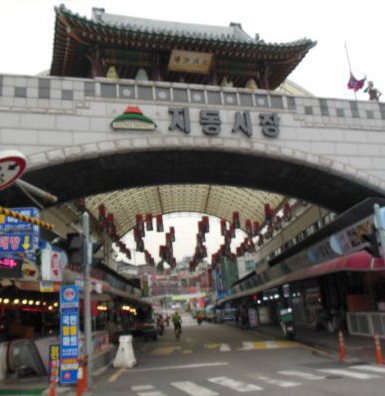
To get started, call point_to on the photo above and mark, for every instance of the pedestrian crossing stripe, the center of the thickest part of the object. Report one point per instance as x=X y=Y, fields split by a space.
x=274 y=381
x=235 y=385
x=349 y=373
x=368 y=367
x=152 y=393
x=193 y=389
x=301 y=375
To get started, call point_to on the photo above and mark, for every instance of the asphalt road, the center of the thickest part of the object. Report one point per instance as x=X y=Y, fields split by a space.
x=220 y=359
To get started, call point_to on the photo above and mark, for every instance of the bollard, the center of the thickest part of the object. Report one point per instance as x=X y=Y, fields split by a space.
x=125 y=357
x=82 y=383
x=342 y=347
x=380 y=360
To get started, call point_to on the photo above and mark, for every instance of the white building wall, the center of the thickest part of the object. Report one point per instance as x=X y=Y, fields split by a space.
x=54 y=120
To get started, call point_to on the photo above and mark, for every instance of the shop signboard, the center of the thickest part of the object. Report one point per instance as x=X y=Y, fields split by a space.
x=10 y=267
x=54 y=363
x=53 y=262
x=18 y=236
x=69 y=334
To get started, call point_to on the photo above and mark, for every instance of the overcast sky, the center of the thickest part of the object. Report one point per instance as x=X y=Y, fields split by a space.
x=27 y=31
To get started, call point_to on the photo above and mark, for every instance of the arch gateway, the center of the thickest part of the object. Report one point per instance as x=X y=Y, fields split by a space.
x=136 y=104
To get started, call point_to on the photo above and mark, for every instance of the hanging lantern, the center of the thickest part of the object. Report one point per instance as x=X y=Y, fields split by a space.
x=110 y=218
x=137 y=234
x=149 y=222
x=140 y=245
x=256 y=228
x=287 y=212
x=250 y=246
x=206 y=224
x=236 y=221
x=223 y=227
x=172 y=233
x=249 y=228
x=102 y=210
x=232 y=231
x=168 y=239
x=269 y=214
x=277 y=223
x=159 y=223
x=269 y=232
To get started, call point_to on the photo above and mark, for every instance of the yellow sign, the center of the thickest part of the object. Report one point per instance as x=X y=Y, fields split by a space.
x=26 y=243
x=190 y=61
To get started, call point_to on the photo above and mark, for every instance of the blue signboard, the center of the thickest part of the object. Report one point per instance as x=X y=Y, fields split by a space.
x=18 y=236
x=69 y=334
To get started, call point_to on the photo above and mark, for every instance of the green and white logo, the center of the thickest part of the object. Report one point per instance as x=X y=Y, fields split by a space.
x=133 y=118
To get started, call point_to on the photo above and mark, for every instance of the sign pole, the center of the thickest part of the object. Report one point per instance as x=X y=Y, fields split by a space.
x=87 y=293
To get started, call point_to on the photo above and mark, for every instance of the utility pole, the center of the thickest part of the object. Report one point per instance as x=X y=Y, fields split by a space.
x=87 y=259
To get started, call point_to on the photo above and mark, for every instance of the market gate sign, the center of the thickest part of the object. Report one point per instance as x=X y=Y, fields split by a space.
x=133 y=119
x=211 y=122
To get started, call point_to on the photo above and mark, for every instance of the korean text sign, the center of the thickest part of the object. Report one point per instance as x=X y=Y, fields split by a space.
x=69 y=334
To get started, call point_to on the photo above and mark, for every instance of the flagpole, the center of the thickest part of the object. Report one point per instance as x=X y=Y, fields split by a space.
x=350 y=67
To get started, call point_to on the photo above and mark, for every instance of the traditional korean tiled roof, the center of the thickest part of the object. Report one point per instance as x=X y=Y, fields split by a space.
x=75 y=34
x=232 y=33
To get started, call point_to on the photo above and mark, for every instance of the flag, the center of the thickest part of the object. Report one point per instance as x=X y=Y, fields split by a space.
x=355 y=84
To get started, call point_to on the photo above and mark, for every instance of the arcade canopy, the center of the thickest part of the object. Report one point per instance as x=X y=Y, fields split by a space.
x=219 y=201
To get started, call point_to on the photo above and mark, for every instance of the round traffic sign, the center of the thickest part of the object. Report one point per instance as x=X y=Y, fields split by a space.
x=12 y=166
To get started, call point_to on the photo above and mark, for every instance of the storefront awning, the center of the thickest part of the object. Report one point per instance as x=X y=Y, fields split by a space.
x=357 y=262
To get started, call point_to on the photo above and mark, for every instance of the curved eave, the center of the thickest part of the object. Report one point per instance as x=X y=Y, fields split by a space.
x=73 y=34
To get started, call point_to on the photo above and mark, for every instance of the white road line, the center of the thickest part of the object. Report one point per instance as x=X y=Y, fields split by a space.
x=301 y=374
x=138 y=388
x=247 y=346
x=224 y=348
x=235 y=385
x=368 y=367
x=273 y=381
x=151 y=393
x=348 y=373
x=186 y=366
x=193 y=389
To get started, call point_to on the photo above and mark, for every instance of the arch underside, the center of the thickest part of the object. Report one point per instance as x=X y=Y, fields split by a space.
x=212 y=182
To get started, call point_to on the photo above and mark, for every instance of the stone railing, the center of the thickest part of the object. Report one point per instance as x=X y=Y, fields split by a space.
x=62 y=93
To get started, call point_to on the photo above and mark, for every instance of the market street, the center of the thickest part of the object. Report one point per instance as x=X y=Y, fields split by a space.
x=220 y=359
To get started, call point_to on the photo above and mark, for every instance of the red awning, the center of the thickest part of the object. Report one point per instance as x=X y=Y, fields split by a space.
x=359 y=261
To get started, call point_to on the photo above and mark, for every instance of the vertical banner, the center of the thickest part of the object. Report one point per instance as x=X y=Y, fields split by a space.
x=69 y=334
x=53 y=367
